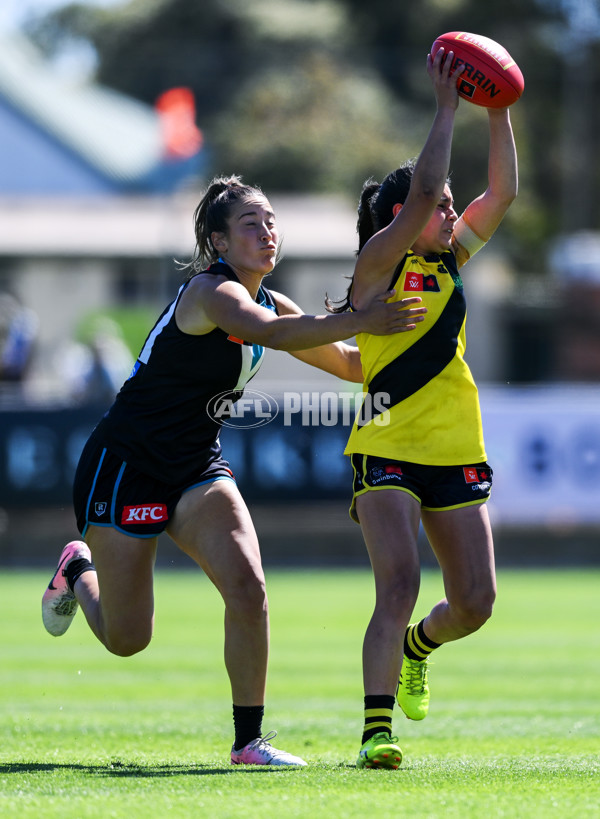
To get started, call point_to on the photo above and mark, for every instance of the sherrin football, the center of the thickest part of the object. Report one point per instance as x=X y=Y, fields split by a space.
x=491 y=77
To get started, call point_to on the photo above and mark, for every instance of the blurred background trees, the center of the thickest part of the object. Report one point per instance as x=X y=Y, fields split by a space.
x=319 y=101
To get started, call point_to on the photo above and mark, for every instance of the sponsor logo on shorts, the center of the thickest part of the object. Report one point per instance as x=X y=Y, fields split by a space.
x=470 y=474
x=478 y=478
x=474 y=475
x=146 y=513
x=392 y=469
x=380 y=474
x=100 y=508
x=485 y=487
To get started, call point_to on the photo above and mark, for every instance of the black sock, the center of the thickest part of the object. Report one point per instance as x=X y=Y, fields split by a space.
x=247 y=722
x=75 y=568
x=417 y=645
x=378 y=715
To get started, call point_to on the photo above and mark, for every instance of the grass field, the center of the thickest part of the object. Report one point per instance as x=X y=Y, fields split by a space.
x=513 y=729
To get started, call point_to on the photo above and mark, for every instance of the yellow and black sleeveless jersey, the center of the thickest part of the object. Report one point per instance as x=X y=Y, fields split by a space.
x=421 y=403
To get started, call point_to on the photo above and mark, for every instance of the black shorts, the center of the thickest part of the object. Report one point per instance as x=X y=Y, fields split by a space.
x=109 y=492
x=436 y=488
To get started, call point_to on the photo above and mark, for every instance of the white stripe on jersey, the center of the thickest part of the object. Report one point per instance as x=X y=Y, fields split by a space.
x=147 y=348
x=252 y=356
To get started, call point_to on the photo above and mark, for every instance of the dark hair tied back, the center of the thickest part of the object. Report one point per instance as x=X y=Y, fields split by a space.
x=364 y=225
x=375 y=211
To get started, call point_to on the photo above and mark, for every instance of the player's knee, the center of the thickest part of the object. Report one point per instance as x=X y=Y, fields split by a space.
x=247 y=597
x=475 y=612
x=398 y=594
x=126 y=644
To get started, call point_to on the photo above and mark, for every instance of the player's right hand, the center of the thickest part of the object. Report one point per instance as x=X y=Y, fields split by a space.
x=382 y=318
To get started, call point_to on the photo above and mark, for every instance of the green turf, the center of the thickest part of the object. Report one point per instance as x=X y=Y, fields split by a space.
x=513 y=730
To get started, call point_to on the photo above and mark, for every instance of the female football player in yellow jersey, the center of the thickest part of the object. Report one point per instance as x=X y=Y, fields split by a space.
x=422 y=458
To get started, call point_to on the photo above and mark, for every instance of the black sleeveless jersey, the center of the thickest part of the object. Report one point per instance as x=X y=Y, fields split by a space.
x=160 y=421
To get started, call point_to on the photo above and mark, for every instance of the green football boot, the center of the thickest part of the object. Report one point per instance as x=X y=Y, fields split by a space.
x=413 y=688
x=380 y=752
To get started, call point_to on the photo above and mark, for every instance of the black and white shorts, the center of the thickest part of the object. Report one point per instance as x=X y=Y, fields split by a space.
x=108 y=491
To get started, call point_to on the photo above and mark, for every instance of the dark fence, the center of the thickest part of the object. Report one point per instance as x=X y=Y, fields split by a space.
x=292 y=472
x=273 y=462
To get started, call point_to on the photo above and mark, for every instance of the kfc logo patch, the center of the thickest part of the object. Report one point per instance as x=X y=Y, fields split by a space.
x=146 y=513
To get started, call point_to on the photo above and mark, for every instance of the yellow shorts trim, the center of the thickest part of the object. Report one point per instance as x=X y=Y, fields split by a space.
x=352 y=510
x=477 y=502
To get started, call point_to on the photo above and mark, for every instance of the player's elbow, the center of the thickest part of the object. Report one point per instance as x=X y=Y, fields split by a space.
x=275 y=338
x=508 y=196
x=429 y=191
x=353 y=372
x=504 y=194
x=282 y=334
x=269 y=335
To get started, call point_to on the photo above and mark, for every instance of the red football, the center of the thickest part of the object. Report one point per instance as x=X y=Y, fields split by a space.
x=491 y=77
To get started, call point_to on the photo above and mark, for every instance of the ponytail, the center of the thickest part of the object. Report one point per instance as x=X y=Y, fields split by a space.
x=365 y=226
x=376 y=211
x=365 y=229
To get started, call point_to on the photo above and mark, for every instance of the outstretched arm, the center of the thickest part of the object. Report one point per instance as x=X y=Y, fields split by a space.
x=486 y=212
x=382 y=253
x=338 y=358
x=213 y=301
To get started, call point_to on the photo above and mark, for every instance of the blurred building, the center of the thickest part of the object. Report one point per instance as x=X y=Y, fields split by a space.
x=575 y=267
x=86 y=181
x=60 y=137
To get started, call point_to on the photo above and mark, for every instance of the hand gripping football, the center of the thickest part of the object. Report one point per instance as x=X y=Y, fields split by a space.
x=491 y=77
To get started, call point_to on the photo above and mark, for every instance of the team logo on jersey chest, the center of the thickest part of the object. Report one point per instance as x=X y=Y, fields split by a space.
x=421 y=283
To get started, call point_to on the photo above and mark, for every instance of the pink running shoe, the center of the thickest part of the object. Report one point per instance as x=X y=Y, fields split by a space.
x=58 y=603
x=261 y=752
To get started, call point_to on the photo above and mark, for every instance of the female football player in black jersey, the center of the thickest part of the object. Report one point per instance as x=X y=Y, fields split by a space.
x=153 y=463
